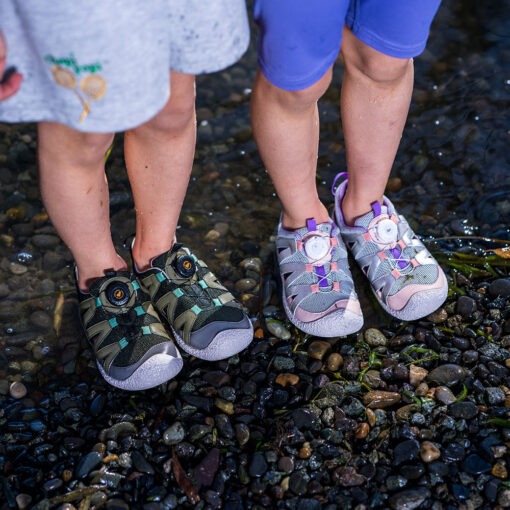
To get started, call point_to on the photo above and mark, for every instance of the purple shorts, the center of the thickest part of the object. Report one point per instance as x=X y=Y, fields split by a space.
x=300 y=40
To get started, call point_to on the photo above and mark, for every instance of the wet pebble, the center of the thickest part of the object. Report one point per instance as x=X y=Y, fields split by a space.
x=277 y=329
x=17 y=390
x=174 y=434
x=87 y=463
x=444 y=395
x=464 y=410
x=380 y=399
x=409 y=499
x=475 y=465
x=429 y=452
x=375 y=338
x=448 y=375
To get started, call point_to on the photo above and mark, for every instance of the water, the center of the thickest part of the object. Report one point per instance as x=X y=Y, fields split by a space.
x=452 y=164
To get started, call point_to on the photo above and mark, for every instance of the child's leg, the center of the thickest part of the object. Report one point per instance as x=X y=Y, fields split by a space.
x=75 y=193
x=206 y=320
x=376 y=93
x=286 y=129
x=159 y=157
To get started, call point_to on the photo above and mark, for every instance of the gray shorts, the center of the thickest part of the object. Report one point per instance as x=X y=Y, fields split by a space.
x=104 y=66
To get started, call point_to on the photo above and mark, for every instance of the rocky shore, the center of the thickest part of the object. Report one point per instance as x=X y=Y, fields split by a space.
x=398 y=416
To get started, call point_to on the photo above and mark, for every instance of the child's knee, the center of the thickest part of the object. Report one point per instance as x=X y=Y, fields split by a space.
x=296 y=99
x=175 y=116
x=376 y=66
x=58 y=140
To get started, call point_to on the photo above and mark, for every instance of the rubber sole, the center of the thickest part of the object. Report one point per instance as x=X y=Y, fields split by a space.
x=225 y=344
x=156 y=370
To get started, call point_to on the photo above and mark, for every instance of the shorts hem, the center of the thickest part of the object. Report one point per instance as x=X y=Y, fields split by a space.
x=89 y=125
x=383 y=46
x=293 y=85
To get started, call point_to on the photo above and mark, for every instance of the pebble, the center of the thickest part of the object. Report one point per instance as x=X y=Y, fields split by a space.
x=375 y=338
x=277 y=329
x=17 y=390
x=87 y=463
x=409 y=499
x=334 y=361
x=287 y=379
x=444 y=395
x=429 y=452
x=464 y=410
x=417 y=375
x=318 y=349
x=448 y=375
x=379 y=399
x=174 y=434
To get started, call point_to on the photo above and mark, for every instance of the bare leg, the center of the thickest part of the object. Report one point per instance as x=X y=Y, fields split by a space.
x=286 y=129
x=376 y=94
x=75 y=192
x=159 y=158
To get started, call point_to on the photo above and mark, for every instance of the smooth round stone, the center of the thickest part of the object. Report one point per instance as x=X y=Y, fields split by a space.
x=466 y=306
x=429 y=452
x=277 y=329
x=362 y=430
x=318 y=349
x=475 y=465
x=17 y=390
x=375 y=338
x=334 y=361
x=17 y=269
x=448 y=375
x=379 y=399
x=469 y=357
x=500 y=287
x=409 y=499
x=174 y=434
x=444 y=395
x=286 y=464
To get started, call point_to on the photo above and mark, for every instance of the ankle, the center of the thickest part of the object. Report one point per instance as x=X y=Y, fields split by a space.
x=143 y=256
x=353 y=209
x=292 y=222
x=85 y=276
